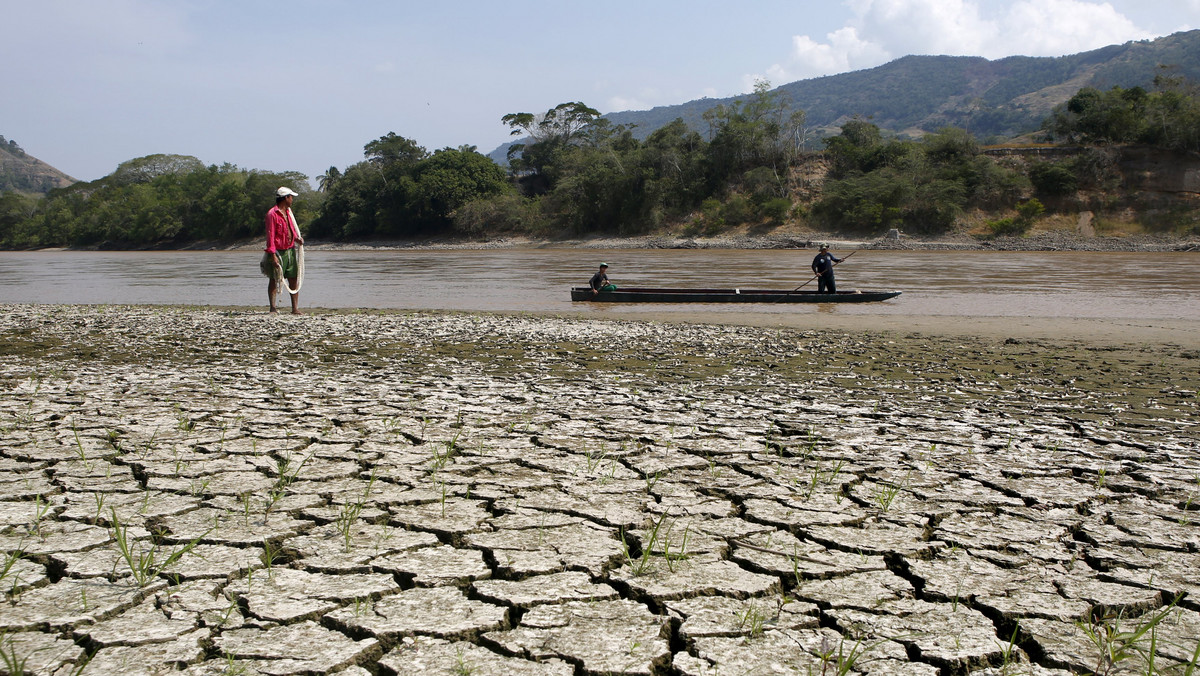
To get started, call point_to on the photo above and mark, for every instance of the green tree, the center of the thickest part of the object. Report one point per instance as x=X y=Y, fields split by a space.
x=15 y=210
x=674 y=157
x=351 y=204
x=150 y=167
x=326 y=181
x=550 y=137
x=853 y=150
x=1052 y=179
x=748 y=134
x=392 y=150
x=562 y=123
x=449 y=179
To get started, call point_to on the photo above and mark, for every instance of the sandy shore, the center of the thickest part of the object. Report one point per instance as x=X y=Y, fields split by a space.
x=224 y=491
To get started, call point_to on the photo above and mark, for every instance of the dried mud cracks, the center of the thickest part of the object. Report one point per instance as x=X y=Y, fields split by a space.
x=227 y=492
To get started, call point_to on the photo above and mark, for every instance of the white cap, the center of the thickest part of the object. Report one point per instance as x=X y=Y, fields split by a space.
x=284 y=192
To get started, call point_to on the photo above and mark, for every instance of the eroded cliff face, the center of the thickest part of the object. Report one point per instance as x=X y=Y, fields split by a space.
x=1160 y=171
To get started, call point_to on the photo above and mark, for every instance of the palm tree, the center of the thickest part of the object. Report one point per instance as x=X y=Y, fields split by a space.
x=325 y=181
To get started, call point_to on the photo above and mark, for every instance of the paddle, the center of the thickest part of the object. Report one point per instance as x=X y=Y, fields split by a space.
x=813 y=277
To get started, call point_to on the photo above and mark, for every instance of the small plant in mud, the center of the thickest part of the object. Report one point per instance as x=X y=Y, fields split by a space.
x=461 y=667
x=1006 y=650
x=795 y=559
x=41 y=509
x=198 y=487
x=1186 y=520
x=13 y=663
x=840 y=660
x=595 y=458
x=145 y=563
x=769 y=443
x=813 y=480
x=1117 y=643
x=79 y=449
x=184 y=421
x=680 y=553
x=232 y=668
x=641 y=565
x=886 y=493
x=270 y=555
x=837 y=469
x=286 y=475
x=442 y=454
x=652 y=480
x=6 y=566
x=227 y=613
x=714 y=470
x=346 y=518
x=813 y=440
x=753 y=619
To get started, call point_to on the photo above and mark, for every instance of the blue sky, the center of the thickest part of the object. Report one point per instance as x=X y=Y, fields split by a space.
x=303 y=85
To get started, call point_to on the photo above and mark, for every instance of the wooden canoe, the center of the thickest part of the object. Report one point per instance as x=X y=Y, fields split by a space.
x=652 y=295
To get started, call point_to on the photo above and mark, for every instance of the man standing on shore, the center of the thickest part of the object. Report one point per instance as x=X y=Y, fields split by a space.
x=822 y=266
x=281 y=260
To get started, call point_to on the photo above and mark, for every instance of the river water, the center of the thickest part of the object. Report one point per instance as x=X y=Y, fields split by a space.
x=950 y=284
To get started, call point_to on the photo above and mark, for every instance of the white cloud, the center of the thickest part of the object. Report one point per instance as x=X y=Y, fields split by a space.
x=924 y=26
x=844 y=51
x=621 y=103
x=1057 y=27
x=881 y=30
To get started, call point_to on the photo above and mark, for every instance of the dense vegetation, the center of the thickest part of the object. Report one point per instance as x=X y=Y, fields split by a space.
x=1166 y=118
x=153 y=200
x=402 y=190
x=575 y=172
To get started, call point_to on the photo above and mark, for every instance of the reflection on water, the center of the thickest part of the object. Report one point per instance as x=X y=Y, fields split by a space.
x=1017 y=284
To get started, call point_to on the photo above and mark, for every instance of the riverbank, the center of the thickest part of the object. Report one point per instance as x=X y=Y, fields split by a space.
x=1045 y=241
x=401 y=492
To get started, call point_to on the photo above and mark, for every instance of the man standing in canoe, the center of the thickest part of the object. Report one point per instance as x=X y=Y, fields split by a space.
x=281 y=259
x=599 y=281
x=822 y=267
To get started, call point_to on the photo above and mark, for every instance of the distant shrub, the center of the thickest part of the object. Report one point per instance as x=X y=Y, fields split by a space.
x=763 y=185
x=1027 y=213
x=737 y=210
x=776 y=209
x=503 y=213
x=710 y=210
x=1052 y=180
x=1030 y=211
x=1007 y=227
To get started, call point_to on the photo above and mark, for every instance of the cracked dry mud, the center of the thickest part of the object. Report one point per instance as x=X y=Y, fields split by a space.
x=220 y=491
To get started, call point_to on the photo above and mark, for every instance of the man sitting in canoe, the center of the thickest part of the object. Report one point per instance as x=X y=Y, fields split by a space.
x=599 y=281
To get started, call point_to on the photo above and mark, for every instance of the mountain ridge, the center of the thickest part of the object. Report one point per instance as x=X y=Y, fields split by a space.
x=917 y=94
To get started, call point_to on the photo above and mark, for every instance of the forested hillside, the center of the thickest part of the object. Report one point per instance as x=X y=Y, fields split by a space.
x=23 y=173
x=1003 y=98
